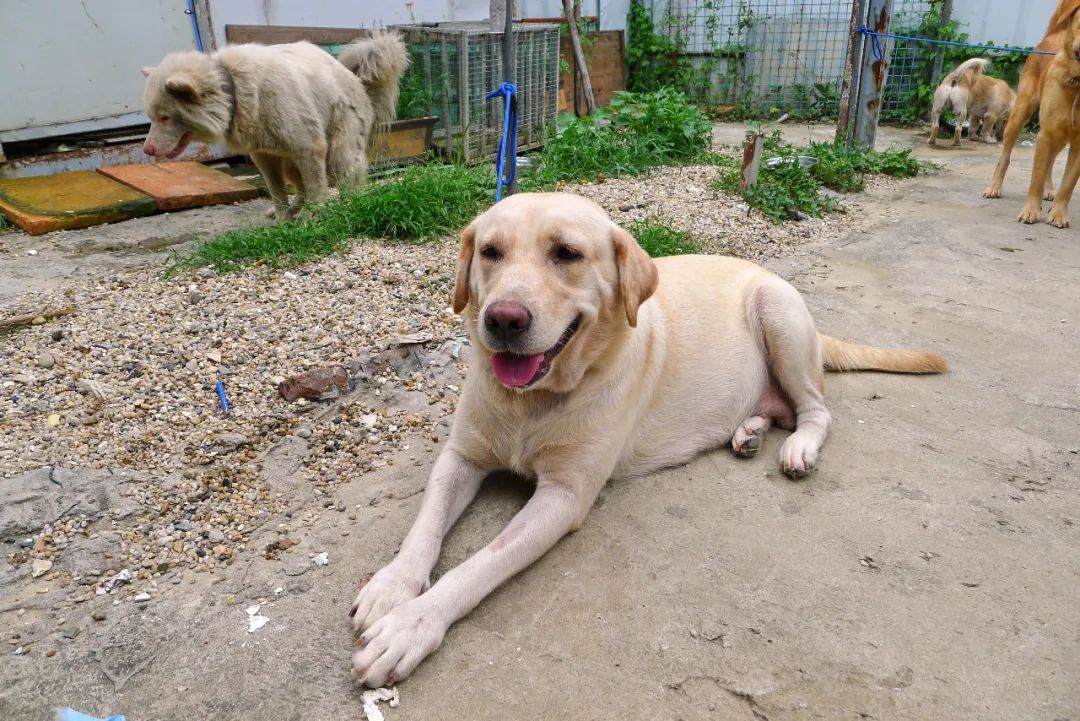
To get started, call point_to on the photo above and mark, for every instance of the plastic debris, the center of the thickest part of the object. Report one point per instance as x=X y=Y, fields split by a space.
x=69 y=714
x=374 y=696
x=255 y=621
x=111 y=582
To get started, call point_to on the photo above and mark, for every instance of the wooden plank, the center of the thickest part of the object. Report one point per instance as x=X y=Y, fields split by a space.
x=176 y=186
x=45 y=203
x=607 y=67
x=278 y=34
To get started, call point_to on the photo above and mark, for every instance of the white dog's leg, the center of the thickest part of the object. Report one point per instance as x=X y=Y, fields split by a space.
x=274 y=174
x=796 y=363
x=451 y=487
x=961 y=116
x=312 y=169
x=396 y=643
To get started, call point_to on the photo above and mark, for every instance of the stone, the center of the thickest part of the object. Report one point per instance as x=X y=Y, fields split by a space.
x=40 y=567
x=46 y=360
x=216 y=536
x=143 y=597
x=316 y=384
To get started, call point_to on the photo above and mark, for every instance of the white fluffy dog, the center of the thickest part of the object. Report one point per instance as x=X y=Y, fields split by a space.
x=300 y=114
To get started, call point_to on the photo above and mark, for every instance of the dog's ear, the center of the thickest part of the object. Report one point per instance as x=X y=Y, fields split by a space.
x=638 y=276
x=183 y=88
x=147 y=69
x=461 y=278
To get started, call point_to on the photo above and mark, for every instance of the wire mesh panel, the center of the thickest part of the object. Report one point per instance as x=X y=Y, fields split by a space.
x=775 y=56
x=459 y=63
x=907 y=60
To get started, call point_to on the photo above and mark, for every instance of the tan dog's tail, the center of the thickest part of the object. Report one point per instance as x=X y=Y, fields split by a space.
x=972 y=67
x=843 y=356
x=379 y=60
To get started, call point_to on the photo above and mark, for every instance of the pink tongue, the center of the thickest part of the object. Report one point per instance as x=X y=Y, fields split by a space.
x=515 y=370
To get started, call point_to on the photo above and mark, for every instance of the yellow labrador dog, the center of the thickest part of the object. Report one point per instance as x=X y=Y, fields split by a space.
x=593 y=361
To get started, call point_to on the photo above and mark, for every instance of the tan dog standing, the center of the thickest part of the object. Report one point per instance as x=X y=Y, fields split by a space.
x=968 y=92
x=592 y=361
x=1058 y=126
x=1029 y=94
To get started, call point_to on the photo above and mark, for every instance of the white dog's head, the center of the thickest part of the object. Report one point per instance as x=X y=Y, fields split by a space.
x=188 y=97
x=548 y=283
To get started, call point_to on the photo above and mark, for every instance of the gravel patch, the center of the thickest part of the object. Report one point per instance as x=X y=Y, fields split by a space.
x=128 y=382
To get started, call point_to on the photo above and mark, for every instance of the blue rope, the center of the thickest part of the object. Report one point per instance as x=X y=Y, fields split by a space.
x=878 y=54
x=508 y=142
x=194 y=24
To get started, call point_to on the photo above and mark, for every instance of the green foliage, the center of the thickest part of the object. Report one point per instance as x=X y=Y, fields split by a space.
x=787 y=189
x=1006 y=65
x=415 y=98
x=637 y=132
x=653 y=60
x=659 y=239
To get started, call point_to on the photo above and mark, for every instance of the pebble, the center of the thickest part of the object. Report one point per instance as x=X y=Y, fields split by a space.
x=141 y=597
x=46 y=360
x=98 y=615
x=57 y=334
x=216 y=536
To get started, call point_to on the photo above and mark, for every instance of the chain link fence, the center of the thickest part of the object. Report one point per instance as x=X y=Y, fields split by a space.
x=766 y=57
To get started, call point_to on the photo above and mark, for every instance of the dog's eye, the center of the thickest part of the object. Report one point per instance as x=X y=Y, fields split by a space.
x=163 y=119
x=490 y=252
x=566 y=253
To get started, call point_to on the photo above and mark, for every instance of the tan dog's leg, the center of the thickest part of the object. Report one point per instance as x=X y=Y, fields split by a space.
x=961 y=116
x=392 y=647
x=795 y=362
x=1059 y=211
x=988 y=122
x=451 y=487
x=273 y=173
x=935 y=114
x=1026 y=102
x=1046 y=150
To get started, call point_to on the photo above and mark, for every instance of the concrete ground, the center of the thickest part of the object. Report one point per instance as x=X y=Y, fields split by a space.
x=929 y=569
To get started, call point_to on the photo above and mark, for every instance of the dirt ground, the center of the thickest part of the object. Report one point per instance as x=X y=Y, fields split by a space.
x=929 y=569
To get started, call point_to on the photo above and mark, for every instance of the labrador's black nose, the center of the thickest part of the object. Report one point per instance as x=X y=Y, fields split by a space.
x=506 y=321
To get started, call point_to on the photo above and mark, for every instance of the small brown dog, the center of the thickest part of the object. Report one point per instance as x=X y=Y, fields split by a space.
x=969 y=92
x=1058 y=127
x=1028 y=94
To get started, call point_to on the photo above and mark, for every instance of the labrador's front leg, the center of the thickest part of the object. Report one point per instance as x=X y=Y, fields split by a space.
x=401 y=639
x=451 y=487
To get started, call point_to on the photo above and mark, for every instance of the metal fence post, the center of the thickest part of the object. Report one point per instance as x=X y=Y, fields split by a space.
x=851 y=72
x=874 y=70
x=508 y=63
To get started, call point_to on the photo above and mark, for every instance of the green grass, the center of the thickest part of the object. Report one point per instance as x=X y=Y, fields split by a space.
x=423 y=203
x=787 y=191
x=637 y=132
x=659 y=239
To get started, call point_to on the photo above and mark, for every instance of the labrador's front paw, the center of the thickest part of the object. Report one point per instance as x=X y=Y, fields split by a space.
x=385 y=590
x=396 y=643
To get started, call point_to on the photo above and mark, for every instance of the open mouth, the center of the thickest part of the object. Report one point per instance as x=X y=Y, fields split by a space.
x=180 y=146
x=521 y=371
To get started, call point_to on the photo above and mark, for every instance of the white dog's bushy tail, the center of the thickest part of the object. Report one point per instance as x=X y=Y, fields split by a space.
x=379 y=60
x=975 y=66
x=843 y=356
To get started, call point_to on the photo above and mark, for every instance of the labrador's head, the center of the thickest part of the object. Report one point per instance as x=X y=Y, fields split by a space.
x=548 y=283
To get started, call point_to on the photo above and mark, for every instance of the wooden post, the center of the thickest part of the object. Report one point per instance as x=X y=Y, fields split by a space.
x=508 y=64
x=851 y=67
x=872 y=74
x=579 y=56
x=751 y=160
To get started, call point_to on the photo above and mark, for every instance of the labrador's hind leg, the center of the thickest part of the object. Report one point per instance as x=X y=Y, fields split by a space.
x=795 y=362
